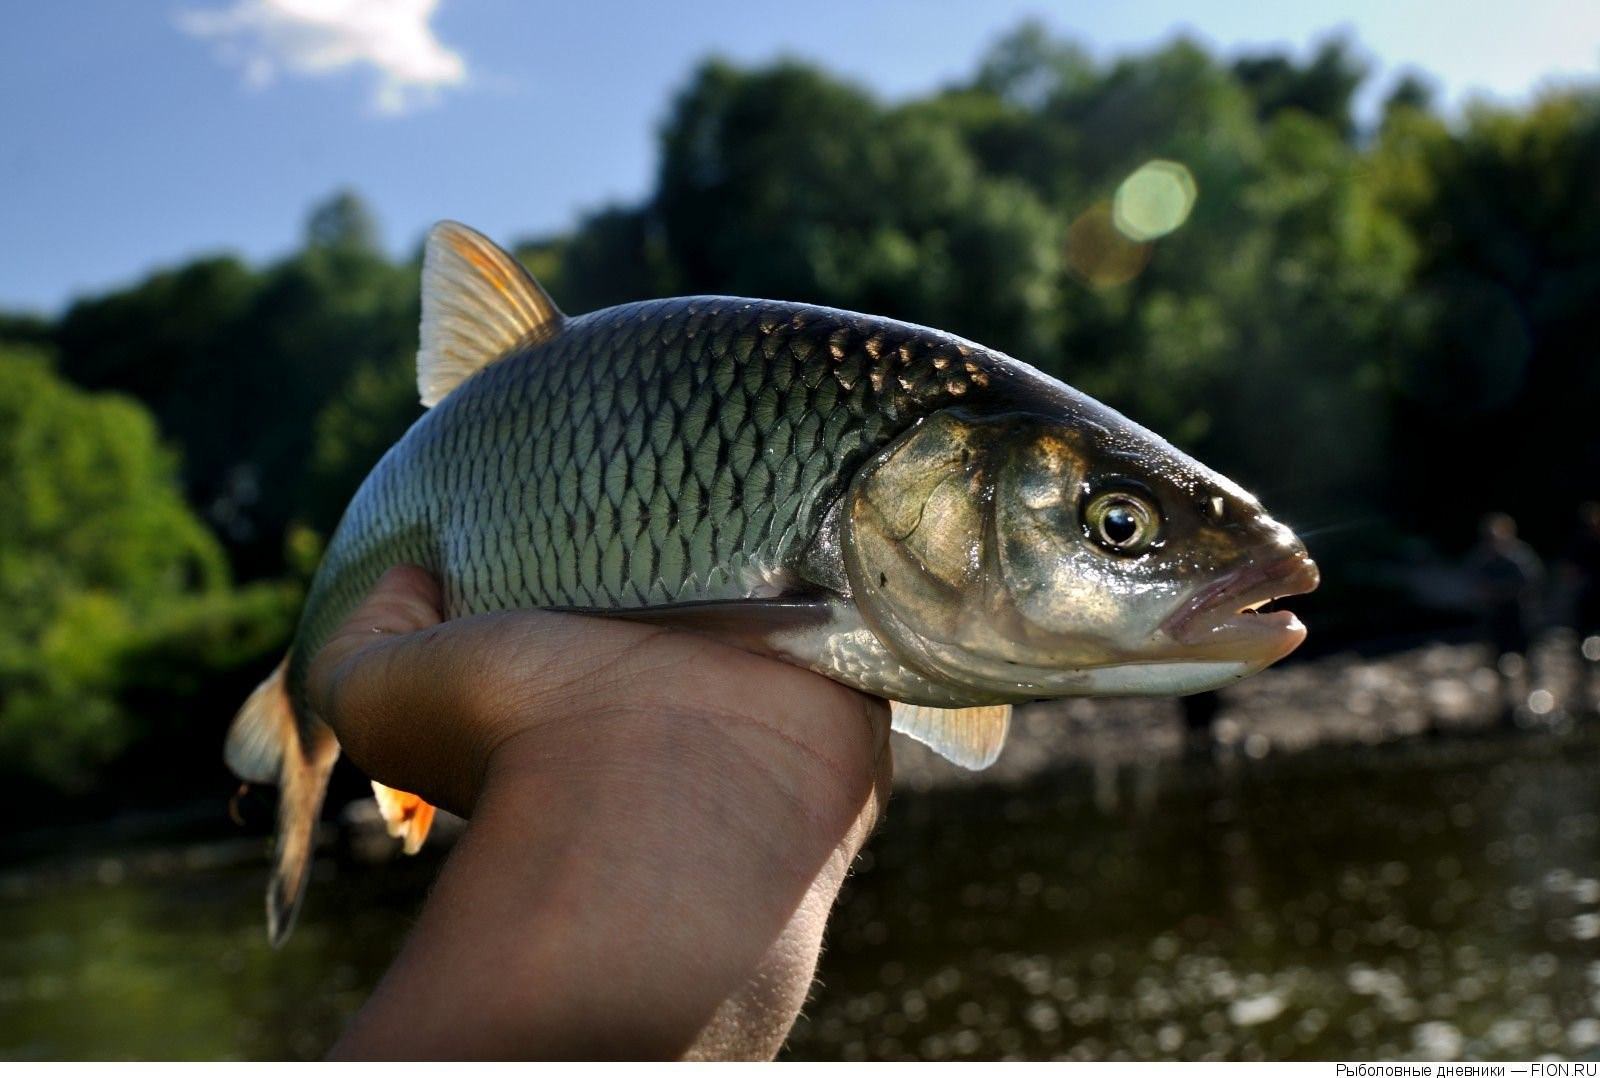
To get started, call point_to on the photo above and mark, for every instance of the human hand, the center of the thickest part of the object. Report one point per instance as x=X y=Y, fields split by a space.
x=660 y=824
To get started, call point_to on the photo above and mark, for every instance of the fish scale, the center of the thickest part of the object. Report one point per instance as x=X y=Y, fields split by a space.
x=656 y=453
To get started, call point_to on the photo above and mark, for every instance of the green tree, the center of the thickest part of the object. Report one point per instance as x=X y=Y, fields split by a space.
x=1496 y=377
x=790 y=184
x=96 y=548
x=25 y=329
x=237 y=364
x=343 y=223
x=1412 y=92
x=1324 y=87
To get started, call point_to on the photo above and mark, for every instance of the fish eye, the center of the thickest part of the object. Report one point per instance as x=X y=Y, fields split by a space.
x=1121 y=522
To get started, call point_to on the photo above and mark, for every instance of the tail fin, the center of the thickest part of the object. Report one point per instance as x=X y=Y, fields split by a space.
x=265 y=744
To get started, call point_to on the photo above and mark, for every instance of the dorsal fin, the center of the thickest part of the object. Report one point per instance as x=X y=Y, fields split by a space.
x=478 y=303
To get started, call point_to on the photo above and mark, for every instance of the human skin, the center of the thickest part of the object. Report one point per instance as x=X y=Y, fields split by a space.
x=659 y=826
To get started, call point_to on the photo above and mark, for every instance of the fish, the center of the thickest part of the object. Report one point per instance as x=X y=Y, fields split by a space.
x=900 y=509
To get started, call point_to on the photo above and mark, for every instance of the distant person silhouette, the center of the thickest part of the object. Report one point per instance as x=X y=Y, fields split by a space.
x=1507 y=574
x=1583 y=565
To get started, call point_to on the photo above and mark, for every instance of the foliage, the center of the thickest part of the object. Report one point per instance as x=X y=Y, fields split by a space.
x=236 y=364
x=1496 y=380
x=99 y=557
x=1323 y=88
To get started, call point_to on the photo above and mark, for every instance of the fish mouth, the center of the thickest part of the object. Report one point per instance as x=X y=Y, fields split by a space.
x=1225 y=619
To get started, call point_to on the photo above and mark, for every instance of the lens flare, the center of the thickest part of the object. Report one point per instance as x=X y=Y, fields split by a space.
x=1154 y=200
x=1099 y=253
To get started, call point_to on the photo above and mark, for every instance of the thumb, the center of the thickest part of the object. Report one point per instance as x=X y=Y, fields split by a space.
x=405 y=600
x=352 y=682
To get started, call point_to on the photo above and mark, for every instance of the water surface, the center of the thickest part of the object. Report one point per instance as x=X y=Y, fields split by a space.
x=1436 y=898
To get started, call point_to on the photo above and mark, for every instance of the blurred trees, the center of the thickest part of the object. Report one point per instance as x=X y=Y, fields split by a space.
x=1384 y=332
x=236 y=364
x=1495 y=377
x=1324 y=88
x=100 y=561
x=787 y=183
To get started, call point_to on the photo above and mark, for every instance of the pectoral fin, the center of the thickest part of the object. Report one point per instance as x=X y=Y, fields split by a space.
x=969 y=736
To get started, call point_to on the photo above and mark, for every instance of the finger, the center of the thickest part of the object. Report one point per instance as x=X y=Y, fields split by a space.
x=422 y=705
x=404 y=600
x=346 y=682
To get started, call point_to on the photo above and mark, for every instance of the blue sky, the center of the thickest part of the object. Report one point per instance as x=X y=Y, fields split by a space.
x=140 y=134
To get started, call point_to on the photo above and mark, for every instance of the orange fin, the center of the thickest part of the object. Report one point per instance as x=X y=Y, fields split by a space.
x=407 y=816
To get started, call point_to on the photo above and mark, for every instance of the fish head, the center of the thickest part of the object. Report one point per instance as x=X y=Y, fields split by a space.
x=1021 y=556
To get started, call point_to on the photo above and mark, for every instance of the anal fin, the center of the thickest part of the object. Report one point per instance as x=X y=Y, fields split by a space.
x=407 y=816
x=969 y=736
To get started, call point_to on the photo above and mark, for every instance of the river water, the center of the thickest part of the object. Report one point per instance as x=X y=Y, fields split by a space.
x=1435 y=898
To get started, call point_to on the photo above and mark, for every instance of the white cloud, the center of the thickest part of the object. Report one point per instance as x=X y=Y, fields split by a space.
x=392 y=38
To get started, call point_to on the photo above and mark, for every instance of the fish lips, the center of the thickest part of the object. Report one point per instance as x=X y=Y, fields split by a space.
x=1223 y=621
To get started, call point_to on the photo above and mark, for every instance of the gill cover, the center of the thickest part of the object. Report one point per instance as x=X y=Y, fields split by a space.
x=912 y=534
x=913 y=543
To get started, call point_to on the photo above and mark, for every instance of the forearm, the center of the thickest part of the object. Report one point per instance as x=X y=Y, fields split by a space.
x=562 y=927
